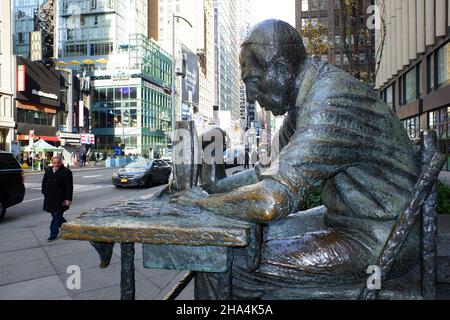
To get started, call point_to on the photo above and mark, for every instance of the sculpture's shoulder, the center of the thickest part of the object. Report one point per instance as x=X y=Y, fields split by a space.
x=335 y=90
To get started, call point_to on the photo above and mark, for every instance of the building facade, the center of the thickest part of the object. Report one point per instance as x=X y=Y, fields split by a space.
x=24 y=17
x=38 y=103
x=195 y=36
x=346 y=40
x=97 y=29
x=414 y=65
x=7 y=79
x=132 y=105
x=227 y=46
x=125 y=77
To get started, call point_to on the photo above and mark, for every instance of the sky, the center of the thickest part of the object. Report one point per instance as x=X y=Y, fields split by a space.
x=275 y=9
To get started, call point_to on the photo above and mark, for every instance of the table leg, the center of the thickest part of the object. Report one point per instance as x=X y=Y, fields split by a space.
x=127 y=281
x=105 y=251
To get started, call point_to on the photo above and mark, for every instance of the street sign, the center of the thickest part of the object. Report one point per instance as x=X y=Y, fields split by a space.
x=87 y=139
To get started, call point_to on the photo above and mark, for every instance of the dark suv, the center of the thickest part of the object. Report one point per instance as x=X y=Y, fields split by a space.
x=12 y=188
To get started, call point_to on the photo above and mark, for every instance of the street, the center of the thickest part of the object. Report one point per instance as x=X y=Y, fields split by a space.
x=32 y=268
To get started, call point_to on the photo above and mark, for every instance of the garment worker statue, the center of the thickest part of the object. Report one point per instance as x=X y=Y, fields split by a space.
x=337 y=135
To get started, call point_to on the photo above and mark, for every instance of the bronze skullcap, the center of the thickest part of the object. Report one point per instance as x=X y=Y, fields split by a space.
x=273 y=32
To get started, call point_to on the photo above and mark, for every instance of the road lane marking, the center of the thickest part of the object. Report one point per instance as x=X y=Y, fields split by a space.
x=25 y=201
x=76 y=187
x=94 y=176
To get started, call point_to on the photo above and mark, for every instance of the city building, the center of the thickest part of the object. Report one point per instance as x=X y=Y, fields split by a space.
x=345 y=40
x=414 y=65
x=7 y=79
x=192 y=47
x=125 y=77
x=244 y=16
x=132 y=105
x=24 y=16
x=227 y=47
x=97 y=29
x=34 y=29
x=38 y=103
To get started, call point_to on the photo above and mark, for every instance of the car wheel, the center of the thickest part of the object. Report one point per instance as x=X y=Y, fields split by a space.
x=2 y=208
x=118 y=187
x=149 y=181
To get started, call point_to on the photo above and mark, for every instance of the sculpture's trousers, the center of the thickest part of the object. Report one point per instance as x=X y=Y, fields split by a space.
x=300 y=251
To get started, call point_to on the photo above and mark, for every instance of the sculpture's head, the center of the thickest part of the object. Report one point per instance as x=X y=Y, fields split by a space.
x=271 y=59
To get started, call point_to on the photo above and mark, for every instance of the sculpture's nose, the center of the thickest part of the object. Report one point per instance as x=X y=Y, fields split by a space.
x=251 y=91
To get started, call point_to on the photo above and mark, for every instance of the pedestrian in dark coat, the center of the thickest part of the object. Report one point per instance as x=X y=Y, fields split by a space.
x=57 y=187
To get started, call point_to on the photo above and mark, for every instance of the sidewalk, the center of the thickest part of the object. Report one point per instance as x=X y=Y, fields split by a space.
x=31 y=268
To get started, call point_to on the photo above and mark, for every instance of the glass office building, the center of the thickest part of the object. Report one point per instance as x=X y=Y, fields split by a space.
x=24 y=11
x=227 y=56
x=133 y=106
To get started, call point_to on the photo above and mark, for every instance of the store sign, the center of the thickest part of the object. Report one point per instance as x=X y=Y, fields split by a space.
x=87 y=139
x=31 y=138
x=21 y=78
x=81 y=114
x=190 y=84
x=64 y=135
x=36 y=46
x=44 y=94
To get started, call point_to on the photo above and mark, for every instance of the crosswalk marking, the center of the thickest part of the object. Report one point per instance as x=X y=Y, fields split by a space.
x=76 y=187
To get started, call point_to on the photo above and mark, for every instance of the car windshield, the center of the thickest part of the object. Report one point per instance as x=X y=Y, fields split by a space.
x=138 y=164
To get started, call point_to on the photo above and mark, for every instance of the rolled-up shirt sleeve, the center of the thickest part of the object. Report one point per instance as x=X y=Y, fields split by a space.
x=328 y=140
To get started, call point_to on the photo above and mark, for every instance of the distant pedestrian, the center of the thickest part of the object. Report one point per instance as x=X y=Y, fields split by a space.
x=57 y=187
x=246 y=160
x=254 y=158
x=83 y=159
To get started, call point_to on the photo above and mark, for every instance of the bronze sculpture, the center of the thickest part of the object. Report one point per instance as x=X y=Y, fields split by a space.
x=337 y=135
x=244 y=236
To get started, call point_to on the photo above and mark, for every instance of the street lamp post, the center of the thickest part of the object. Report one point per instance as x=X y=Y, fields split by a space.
x=173 y=69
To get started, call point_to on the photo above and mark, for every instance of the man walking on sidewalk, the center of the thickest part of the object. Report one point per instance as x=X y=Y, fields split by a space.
x=57 y=187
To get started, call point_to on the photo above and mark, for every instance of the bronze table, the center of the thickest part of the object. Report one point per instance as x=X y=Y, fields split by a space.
x=173 y=237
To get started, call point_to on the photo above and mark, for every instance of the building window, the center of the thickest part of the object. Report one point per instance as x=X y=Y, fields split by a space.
x=93 y=4
x=99 y=49
x=443 y=65
x=412 y=126
x=69 y=34
x=408 y=88
x=430 y=75
x=389 y=96
x=305 y=5
x=419 y=81
x=1 y=27
x=439 y=120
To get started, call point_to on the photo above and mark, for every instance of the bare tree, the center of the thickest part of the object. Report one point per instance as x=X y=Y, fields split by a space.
x=357 y=40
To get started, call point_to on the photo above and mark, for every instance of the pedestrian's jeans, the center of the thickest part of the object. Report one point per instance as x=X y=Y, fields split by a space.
x=56 y=223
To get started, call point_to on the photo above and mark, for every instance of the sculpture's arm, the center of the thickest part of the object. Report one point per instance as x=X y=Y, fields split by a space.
x=261 y=202
x=231 y=183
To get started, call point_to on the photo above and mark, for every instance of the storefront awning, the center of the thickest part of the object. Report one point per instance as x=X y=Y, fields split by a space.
x=50 y=138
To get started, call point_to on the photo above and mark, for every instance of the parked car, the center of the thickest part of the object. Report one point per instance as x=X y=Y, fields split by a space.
x=142 y=173
x=12 y=187
x=167 y=159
